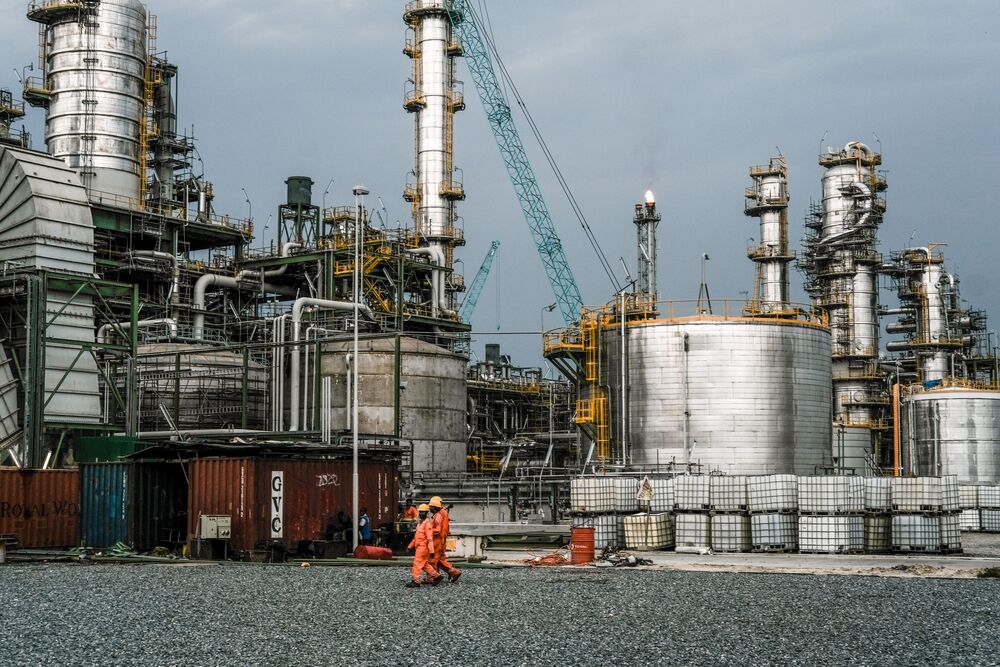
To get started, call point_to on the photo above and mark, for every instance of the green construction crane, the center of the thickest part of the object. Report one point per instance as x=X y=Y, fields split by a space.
x=515 y=159
x=472 y=298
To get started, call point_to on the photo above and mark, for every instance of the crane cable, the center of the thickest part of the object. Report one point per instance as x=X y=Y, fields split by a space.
x=487 y=31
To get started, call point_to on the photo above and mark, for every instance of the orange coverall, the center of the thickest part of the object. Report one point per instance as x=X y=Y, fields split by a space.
x=442 y=529
x=423 y=543
x=410 y=513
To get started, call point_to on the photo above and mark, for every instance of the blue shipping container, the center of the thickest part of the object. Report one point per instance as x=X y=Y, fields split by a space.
x=104 y=504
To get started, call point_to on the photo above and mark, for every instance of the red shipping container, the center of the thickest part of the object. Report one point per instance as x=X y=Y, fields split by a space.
x=286 y=500
x=40 y=507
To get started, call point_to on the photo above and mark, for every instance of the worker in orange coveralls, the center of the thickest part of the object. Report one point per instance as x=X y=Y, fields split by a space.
x=423 y=543
x=442 y=529
x=410 y=513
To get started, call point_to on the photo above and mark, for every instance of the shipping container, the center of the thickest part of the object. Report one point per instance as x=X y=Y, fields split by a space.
x=142 y=504
x=104 y=506
x=158 y=505
x=40 y=507
x=286 y=501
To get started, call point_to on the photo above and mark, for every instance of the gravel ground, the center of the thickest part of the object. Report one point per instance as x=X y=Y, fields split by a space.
x=281 y=615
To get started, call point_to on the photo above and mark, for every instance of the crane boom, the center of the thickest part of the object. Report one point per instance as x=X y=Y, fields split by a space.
x=472 y=298
x=515 y=159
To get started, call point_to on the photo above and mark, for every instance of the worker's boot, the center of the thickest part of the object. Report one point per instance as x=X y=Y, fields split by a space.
x=454 y=575
x=412 y=584
x=436 y=580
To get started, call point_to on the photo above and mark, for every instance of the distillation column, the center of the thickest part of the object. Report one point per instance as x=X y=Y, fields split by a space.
x=841 y=262
x=767 y=199
x=433 y=97
x=646 y=219
x=95 y=64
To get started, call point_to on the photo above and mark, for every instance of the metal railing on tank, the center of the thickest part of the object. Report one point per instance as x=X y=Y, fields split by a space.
x=640 y=309
x=955 y=383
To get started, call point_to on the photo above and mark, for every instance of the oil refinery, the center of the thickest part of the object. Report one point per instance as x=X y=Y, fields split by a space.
x=145 y=331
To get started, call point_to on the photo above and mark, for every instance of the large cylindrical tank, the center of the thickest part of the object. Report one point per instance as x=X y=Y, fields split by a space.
x=756 y=393
x=95 y=70
x=408 y=388
x=952 y=432
x=201 y=387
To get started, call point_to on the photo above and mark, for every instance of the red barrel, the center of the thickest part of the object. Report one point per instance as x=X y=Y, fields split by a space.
x=366 y=552
x=581 y=545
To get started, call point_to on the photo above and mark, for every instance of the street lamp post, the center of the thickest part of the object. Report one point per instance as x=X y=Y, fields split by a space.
x=249 y=205
x=541 y=315
x=359 y=192
x=325 y=193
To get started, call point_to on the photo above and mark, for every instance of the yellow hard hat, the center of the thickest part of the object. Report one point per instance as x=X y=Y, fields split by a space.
x=423 y=508
x=436 y=502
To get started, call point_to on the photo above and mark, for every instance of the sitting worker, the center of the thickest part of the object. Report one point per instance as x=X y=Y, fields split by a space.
x=441 y=531
x=423 y=544
x=364 y=527
x=410 y=513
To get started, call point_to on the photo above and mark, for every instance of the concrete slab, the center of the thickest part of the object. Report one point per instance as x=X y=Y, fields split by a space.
x=982 y=551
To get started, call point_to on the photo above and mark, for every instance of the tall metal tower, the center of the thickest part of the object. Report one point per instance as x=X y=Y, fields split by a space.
x=434 y=96
x=767 y=200
x=646 y=219
x=841 y=260
x=94 y=61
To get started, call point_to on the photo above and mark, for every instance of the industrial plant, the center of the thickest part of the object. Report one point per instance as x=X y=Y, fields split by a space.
x=156 y=355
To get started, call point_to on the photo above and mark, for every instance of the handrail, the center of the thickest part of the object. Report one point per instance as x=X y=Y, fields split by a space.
x=131 y=204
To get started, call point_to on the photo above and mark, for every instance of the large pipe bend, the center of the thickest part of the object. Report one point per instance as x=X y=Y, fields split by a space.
x=297 y=309
x=103 y=334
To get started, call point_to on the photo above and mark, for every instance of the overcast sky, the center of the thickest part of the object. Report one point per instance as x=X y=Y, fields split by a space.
x=677 y=97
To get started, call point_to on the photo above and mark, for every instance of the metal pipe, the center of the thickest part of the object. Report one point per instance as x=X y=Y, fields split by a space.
x=103 y=337
x=202 y=203
x=294 y=379
x=210 y=279
x=272 y=273
x=622 y=391
x=439 y=301
x=359 y=192
x=349 y=399
x=175 y=287
x=196 y=432
x=687 y=414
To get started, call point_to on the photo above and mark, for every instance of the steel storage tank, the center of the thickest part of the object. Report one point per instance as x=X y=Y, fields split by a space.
x=952 y=432
x=756 y=393
x=95 y=70
x=408 y=388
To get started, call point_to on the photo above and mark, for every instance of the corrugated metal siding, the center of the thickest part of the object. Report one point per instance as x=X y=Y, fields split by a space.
x=40 y=507
x=312 y=494
x=104 y=503
x=11 y=501
x=158 y=505
x=223 y=486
